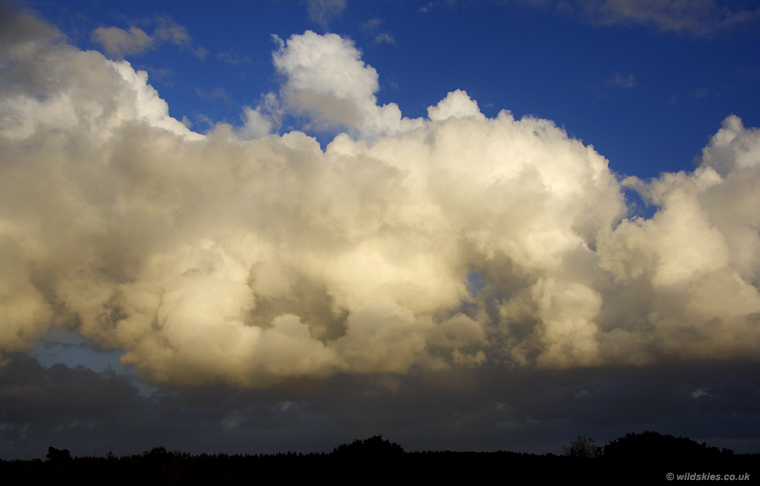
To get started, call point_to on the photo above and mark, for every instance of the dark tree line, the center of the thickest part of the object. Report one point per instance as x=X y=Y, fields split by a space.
x=633 y=459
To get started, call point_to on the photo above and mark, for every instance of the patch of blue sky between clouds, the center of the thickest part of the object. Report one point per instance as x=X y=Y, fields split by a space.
x=475 y=283
x=59 y=346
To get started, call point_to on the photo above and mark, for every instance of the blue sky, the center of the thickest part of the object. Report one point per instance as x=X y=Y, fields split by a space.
x=284 y=225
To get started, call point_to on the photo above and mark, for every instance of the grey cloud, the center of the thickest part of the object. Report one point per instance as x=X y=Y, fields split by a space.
x=119 y=43
x=482 y=409
x=33 y=394
x=695 y=18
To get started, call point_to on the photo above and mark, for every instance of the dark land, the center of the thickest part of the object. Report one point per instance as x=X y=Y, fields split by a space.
x=634 y=459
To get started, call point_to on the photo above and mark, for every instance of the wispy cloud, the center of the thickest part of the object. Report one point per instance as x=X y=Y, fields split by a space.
x=372 y=28
x=323 y=11
x=615 y=82
x=696 y=18
x=215 y=94
x=433 y=4
x=372 y=25
x=164 y=76
x=385 y=38
x=233 y=57
x=622 y=81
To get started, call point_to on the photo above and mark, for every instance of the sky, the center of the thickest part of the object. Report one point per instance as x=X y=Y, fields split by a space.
x=464 y=225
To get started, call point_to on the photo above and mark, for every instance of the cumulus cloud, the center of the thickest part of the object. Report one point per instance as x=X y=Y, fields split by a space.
x=327 y=81
x=263 y=120
x=250 y=257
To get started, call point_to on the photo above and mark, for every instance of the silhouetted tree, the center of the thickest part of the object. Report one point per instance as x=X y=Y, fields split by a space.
x=55 y=455
x=654 y=446
x=369 y=461
x=375 y=446
x=583 y=448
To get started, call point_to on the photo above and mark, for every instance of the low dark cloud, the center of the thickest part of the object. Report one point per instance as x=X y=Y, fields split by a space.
x=486 y=409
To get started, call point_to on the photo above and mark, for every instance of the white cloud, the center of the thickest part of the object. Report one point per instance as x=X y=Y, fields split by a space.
x=262 y=120
x=248 y=257
x=327 y=81
x=456 y=105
